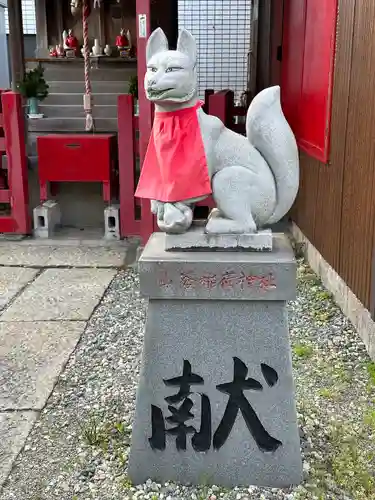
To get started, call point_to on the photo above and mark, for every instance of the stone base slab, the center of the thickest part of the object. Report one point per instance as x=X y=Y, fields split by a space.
x=196 y=239
x=215 y=401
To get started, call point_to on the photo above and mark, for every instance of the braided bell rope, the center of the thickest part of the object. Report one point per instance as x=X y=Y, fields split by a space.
x=86 y=53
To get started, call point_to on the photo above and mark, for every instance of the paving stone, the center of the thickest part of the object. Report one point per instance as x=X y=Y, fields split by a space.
x=61 y=294
x=14 y=429
x=32 y=356
x=12 y=280
x=87 y=257
x=33 y=254
x=19 y=255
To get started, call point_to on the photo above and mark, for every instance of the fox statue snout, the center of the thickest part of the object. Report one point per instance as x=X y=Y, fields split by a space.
x=254 y=180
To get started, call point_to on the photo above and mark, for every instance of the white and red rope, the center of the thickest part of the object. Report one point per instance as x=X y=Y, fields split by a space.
x=87 y=99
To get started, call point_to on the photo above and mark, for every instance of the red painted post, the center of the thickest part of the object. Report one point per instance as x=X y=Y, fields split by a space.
x=221 y=105
x=126 y=163
x=145 y=107
x=15 y=145
x=207 y=94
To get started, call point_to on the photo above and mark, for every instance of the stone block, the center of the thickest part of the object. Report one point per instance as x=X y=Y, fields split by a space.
x=47 y=218
x=197 y=239
x=215 y=401
x=112 y=222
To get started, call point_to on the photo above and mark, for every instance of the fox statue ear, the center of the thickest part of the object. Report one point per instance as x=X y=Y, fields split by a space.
x=187 y=45
x=156 y=43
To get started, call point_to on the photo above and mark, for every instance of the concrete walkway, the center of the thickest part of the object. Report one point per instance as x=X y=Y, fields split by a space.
x=47 y=295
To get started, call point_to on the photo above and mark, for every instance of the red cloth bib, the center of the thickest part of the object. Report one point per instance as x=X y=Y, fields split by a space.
x=175 y=166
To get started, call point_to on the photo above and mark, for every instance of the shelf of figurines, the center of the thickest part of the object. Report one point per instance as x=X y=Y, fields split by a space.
x=79 y=59
x=72 y=50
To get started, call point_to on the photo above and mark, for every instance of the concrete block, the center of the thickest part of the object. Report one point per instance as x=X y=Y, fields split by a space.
x=215 y=401
x=197 y=239
x=112 y=222
x=218 y=275
x=47 y=218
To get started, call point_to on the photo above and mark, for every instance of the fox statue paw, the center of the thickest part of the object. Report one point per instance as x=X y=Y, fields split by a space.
x=218 y=224
x=173 y=218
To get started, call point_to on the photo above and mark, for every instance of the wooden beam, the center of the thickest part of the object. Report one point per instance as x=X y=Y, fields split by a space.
x=59 y=20
x=16 y=48
x=277 y=17
x=102 y=25
x=263 y=66
x=253 y=55
x=41 y=28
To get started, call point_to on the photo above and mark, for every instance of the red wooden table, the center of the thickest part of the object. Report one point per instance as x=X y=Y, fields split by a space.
x=77 y=158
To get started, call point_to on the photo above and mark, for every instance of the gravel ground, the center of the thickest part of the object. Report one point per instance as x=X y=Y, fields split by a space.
x=78 y=448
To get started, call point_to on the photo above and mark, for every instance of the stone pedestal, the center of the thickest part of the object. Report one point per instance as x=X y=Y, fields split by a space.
x=215 y=402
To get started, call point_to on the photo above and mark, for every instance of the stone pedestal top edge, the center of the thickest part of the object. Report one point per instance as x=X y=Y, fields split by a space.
x=154 y=251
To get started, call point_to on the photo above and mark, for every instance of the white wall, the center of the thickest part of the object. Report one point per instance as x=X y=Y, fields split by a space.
x=222 y=31
x=4 y=71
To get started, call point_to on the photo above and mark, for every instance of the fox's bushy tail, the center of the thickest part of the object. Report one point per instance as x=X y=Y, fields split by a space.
x=269 y=132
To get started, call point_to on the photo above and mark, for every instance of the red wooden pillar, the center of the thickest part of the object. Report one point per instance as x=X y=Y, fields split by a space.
x=14 y=131
x=127 y=126
x=145 y=106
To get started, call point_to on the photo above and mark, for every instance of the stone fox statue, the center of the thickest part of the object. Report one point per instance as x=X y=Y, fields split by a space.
x=253 y=180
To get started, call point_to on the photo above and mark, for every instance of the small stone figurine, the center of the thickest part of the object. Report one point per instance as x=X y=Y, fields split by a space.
x=64 y=37
x=53 y=52
x=107 y=50
x=97 y=49
x=75 y=7
x=122 y=43
x=60 y=50
x=71 y=44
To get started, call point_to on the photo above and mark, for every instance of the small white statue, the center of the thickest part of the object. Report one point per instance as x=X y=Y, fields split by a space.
x=129 y=37
x=75 y=7
x=97 y=49
x=253 y=180
x=64 y=37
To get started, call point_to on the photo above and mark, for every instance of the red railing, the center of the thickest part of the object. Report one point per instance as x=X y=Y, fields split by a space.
x=220 y=104
x=128 y=157
x=14 y=213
